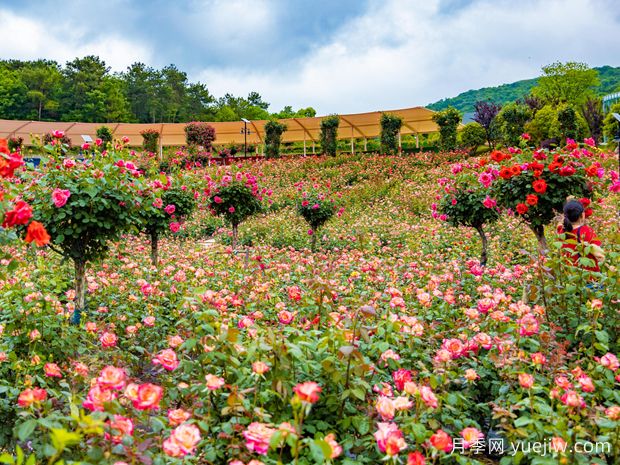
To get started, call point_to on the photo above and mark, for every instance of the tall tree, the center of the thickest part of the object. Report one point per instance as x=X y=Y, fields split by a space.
x=484 y=115
x=570 y=82
x=593 y=113
x=82 y=88
x=42 y=78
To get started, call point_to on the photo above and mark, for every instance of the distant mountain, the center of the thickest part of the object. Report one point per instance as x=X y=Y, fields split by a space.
x=609 y=76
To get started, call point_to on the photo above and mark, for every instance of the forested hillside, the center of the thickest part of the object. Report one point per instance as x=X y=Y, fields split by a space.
x=464 y=102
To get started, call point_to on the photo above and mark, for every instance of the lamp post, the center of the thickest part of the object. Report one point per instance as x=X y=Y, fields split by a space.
x=245 y=133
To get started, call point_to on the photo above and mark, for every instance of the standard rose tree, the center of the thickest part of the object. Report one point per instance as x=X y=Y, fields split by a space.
x=84 y=206
x=235 y=197
x=169 y=205
x=535 y=184
x=466 y=202
x=316 y=208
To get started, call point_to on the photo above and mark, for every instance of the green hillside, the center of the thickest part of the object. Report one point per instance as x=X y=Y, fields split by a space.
x=464 y=102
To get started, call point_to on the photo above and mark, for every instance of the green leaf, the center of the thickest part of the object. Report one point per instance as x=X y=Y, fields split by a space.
x=26 y=429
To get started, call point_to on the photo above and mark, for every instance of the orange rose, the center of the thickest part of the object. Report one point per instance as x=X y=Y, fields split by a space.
x=36 y=232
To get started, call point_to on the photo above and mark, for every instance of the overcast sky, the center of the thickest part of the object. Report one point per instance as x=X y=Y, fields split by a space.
x=338 y=56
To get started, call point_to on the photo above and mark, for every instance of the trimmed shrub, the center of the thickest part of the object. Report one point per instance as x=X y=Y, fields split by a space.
x=473 y=136
x=200 y=135
x=448 y=121
x=273 y=138
x=329 y=134
x=150 y=140
x=105 y=134
x=390 y=128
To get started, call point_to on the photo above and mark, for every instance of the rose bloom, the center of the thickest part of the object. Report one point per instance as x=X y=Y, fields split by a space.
x=149 y=321
x=426 y=394
x=167 y=358
x=540 y=186
x=308 y=391
x=402 y=403
x=471 y=436
x=526 y=380
x=108 y=339
x=21 y=214
x=97 y=397
x=183 y=439
x=257 y=437
x=528 y=325
x=336 y=449
x=214 y=382
x=294 y=293
x=586 y=384
x=52 y=370
x=610 y=361
x=285 y=317
x=416 y=458
x=175 y=227
x=454 y=346
x=260 y=368
x=538 y=358
x=31 y=396
x=390 y=439
x=119 y=427
x=112 y=378
x=175 y=341
x=60 y=197
x=441 y=441
x=178 y=416
x=613 y=413
x=401 y=376
x=471 y=375
x=131 y=391
x=572 y=399
x=558 y=444
x=36 y=233
x=148 y=396
x=385 y=408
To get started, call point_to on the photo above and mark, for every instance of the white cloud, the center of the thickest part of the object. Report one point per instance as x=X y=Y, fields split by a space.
x=63 y=41
x=404 y=53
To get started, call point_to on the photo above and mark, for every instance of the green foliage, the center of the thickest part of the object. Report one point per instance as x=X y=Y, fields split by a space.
x=150 y=140
x=448 y=121
x=464 y=102
x=571 y=123
x=156 y=219
x=544 y=125
x=287 y=112
x=316 y=210
x=200 y=134
x=472 y=136
x=611 y=126
x=273 y=137
x=48 y=139
x=329 y=134
x=390 y=128
x=464 y=207
x=235 y=202
x=572 y=83
x=105 y=134
x=511 y=120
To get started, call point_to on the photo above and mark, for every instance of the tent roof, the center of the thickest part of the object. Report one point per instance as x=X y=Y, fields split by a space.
x=416 y=120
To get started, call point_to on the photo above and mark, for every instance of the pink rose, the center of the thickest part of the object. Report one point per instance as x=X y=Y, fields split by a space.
x=60 y=197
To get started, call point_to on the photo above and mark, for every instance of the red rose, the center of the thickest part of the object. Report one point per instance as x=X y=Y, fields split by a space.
x=21 y=214
x=531 y=199
x=540 y=186
x=522 y=208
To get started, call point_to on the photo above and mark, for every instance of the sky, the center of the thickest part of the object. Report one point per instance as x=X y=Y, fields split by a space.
x=338 y=56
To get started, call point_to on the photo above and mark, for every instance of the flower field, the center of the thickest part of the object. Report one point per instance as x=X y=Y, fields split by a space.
x=352 y=323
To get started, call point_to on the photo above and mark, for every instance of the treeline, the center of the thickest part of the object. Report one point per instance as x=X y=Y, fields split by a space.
x=562 y=105
x=609 y=81
x=85 y=90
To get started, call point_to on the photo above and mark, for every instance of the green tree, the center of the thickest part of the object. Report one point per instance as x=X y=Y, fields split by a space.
x=273 y=137
x=569 y=82
x=544 y=125
x=610 y=124
x=448 y=121
x=512 y=119
x=81 y=92
x=141 y=86
x=42 y=79
x=12 y=94
x=329 y=134
x=473 y=136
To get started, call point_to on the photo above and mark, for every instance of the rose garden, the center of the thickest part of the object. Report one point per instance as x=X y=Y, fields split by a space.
x=352 y=309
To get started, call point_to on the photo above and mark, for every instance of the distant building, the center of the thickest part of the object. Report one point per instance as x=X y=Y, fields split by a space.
x=609 y=100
